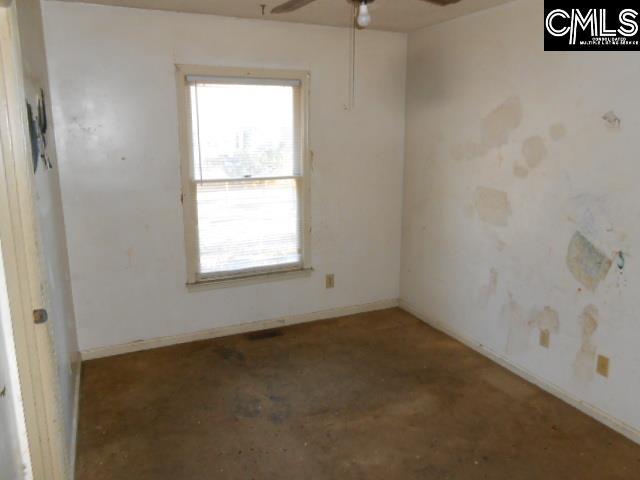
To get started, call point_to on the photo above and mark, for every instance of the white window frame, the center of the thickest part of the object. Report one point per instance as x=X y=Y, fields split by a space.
x=189 y=183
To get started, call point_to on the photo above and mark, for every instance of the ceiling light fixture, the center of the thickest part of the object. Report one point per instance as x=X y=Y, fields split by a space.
x=364 y=19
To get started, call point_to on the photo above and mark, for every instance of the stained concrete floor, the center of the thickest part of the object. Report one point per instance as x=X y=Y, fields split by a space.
x=371 y=396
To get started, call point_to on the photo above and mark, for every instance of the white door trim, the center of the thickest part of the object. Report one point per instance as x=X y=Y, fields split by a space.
x=22 y=260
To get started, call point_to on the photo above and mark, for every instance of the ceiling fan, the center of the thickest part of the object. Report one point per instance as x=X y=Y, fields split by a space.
x=363 y=18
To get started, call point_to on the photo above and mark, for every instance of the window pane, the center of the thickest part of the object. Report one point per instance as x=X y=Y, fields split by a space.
x=243 y=131
x=248 y=225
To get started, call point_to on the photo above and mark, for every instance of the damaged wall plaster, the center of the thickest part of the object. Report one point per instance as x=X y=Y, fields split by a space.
x=539 y=165
x=587 y=264
x=613 y=121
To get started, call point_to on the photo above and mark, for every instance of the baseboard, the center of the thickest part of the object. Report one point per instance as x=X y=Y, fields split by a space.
x=110 y=351
x=591 y=410
x=73 y=446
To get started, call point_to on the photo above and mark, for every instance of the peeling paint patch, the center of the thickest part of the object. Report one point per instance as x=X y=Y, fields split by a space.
x=534 y=151
x=492 y=206
x=620 y=261
x=585 y=360
x=613 y=121
x=557 y=131
x=501 y=122
x=587 y=264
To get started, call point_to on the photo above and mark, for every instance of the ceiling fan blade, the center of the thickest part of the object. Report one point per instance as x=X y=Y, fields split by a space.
x=442 y=3
x=291 y=5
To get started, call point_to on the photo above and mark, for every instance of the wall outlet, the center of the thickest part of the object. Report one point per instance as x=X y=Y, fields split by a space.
x=602 y=366
x=545 y=338
x=330 y=280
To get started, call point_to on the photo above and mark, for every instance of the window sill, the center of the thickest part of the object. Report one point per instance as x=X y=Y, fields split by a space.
x=209 y=284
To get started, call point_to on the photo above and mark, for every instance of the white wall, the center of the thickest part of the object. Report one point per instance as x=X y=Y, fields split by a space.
x=51 y=223
x=14 y=448
x=114 y=97
x=486 y=235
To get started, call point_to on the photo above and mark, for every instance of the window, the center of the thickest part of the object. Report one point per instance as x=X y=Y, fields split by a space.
x=245 y=186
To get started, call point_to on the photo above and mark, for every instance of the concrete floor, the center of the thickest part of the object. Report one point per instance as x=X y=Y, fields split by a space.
x=371 y=396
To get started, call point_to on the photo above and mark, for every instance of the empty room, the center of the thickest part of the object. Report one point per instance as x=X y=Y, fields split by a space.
x=319 y=239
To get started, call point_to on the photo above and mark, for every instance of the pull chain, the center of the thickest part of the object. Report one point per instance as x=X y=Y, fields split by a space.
x=351 y=101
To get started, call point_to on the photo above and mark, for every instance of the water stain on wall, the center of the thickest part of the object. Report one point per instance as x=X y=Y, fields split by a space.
x=584 y=363
x=496 y=129
x=520 y=171
x=534 y=151
x=492 y=206
x=546 y=320
x=587 y=264
x=501 y=122
x=612 y=120
x=489 y=290
x=518 y=331
x=557 y=132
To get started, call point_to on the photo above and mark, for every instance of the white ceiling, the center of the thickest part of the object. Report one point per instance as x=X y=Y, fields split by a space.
x=394 y=15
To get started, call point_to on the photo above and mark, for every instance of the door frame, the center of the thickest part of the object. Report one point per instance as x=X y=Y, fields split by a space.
x=24 y=269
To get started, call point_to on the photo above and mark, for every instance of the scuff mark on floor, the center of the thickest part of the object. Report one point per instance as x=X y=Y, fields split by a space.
x=247 y=406
x=279 y=409
x=509 y=384
x=230 y=354
x=585 y=360
x=587 y=263
x=493 y=206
